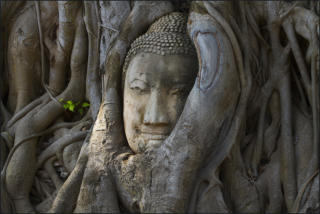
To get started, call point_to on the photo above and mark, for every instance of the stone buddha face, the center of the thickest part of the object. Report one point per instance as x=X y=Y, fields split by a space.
x=155 y=91
x=160 y=67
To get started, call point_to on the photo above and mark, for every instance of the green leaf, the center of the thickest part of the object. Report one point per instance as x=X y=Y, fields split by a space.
x=61 y=99
x=69 y=102
x=71 y=107
x=77 y=103
x=85 y=104
x=65 y=106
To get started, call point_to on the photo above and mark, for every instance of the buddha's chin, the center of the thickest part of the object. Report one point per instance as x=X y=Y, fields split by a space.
x=142 y=144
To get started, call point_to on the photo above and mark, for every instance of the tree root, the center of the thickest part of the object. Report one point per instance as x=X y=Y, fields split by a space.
x=59 y=145
x=256 y=158
x=52 y=173
x=315 y=110
x=42 y=55
x=93 y=84
x=272 y=132
x=25 y=110
x=26 y=139
x=23 y=60
x=288 y=173
x=40 y=119
x=45 y=205
x=8 y=139
x=43 y=117
x=295 y=207
x=69 y=16
x=304 y=105
x=68 y=193
x=313 y=165
x=208 y=173
x=4 y=114
x=4 y=169
x=299 y=59
x=279 y=72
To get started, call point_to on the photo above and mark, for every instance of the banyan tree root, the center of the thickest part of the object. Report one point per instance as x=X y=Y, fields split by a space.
x=23 y=60
x=52 y=173
x=60 y=51
x=93 y=80
x=68 y=193
x=21 y=168
x=208 y=180
x=17 y=116
x=59 y=145
x=280 y=81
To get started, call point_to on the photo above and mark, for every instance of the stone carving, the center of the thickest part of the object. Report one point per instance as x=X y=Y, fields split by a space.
x=159 y=72
x=205 y=106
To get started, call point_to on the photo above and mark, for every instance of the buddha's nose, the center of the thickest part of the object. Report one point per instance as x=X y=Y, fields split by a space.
x=156 y=112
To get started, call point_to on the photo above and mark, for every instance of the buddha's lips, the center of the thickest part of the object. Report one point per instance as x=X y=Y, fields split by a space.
x=161 y=130
x=150 y=134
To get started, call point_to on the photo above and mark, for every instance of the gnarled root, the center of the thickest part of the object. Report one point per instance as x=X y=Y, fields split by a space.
x=58 y=146
x=21 y=168
x=68 y=193
x=23 y=60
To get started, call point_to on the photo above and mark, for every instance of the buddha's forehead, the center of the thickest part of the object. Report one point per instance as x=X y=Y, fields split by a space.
x=151 y=67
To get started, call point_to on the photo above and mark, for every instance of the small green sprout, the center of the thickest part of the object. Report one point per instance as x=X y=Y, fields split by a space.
x=79 y=107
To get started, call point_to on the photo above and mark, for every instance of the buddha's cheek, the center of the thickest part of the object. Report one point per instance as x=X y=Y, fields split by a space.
x=133 y=117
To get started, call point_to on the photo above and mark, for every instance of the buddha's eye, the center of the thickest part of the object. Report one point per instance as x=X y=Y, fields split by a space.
x=139 y=86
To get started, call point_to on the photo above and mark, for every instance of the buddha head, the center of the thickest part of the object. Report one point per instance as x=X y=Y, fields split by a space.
x=158 y=74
